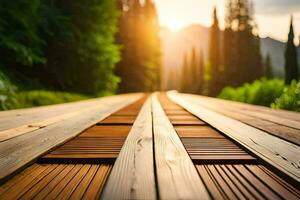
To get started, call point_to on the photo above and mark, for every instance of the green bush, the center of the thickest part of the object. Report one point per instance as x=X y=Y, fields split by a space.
x=12 y=98
x=41 y=98
x=261 y=92
x=290 y=99
x=8 y=99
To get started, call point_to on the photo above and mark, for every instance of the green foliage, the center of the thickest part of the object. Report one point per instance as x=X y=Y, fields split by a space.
x=12 y=98
x=41 y=97
x=69 y=45
x=8 y=98
x=260 y=92
x=290 y=99
x=83 y=60
x=20 y=42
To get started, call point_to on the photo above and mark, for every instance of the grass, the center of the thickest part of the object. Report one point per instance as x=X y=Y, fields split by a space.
x=12 y=98
x=272 y=93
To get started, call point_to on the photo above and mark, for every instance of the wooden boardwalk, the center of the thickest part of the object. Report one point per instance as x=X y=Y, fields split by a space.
x=150 y=146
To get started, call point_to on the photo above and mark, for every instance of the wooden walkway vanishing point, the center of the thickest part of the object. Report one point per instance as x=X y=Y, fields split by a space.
x=150 y=146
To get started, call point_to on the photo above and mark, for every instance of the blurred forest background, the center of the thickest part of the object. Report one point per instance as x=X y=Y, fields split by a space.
x=59 y=51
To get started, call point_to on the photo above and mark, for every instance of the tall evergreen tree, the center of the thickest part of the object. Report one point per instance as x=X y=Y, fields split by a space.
x=291 y=56
x=201 y=73
x=139 y=68
x=194 y=72
x=241 y=53
x=185 y=71
x=69 y=45
x=268 y=67
x=214 y=56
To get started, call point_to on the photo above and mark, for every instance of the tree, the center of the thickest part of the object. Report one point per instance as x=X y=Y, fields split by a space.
x=185 y=72
x=68 y=45
x=268 y=67
x=214 y=56
x=291 y=62
x=140 y=67
x=201 y=74
x=20 y=42
x=241 y=54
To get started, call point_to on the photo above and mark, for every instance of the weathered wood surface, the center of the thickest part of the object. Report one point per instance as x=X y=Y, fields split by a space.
x=132 y=176
x=283 y=155
x=21 y=150
x=245 y=182
x=177 y=177
x=267 y=120
x=52 y=181
x=248 y=107
x=31 y=115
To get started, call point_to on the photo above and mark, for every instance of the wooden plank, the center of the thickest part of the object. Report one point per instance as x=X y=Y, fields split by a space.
x=244 y=182
x=84 y=148
x=35 y=189
x=198 y=131
x=177 y=177
x=84 y=184
x=284 y=132
x=132 y=176
x=248 y=107
x=96 y=186
x=106 y=131
x=14 y=132
x=60 y=177
x=59 y=187
x=283 y=155
x=215 y=150
x=118 y=120
x=281 y=129
x=22 y=117
x=19 y=151
x=21 y=187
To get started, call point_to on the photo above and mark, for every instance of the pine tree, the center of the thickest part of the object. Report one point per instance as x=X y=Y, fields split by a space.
x=201 y=73
x=140 y=67
x=241 y=54
x=152 y=43
x=194 y=73
x=185 y=71
x=291 y=62
x=214 y=56
x=268 y=67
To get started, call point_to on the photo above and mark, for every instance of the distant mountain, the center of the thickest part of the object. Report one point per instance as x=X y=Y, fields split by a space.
x=176 y=44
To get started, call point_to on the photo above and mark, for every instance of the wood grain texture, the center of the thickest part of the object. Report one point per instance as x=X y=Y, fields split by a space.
x=215 y=150
x=21 y=150
x=245 y=182
x=177 y=177
x=27 y=116
x=281 y=154
x=197 y=132
x=249 y=107
x=132 y=176
x=275 y=125
x=57 y=182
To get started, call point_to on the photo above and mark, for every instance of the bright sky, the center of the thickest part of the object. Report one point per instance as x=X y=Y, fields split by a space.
x=272 y=16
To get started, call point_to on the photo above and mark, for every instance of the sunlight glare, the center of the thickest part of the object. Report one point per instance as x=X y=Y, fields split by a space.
x=174 y=25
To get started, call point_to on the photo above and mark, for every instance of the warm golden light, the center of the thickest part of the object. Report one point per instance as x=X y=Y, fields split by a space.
x=174 y=25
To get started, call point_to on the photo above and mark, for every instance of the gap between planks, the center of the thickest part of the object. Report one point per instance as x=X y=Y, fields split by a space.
x=279 y=153
x=177 y=177
x=20 y=151
x=132 y=176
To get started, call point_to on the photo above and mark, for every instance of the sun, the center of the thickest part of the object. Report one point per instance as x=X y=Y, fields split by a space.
x=174 y=25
